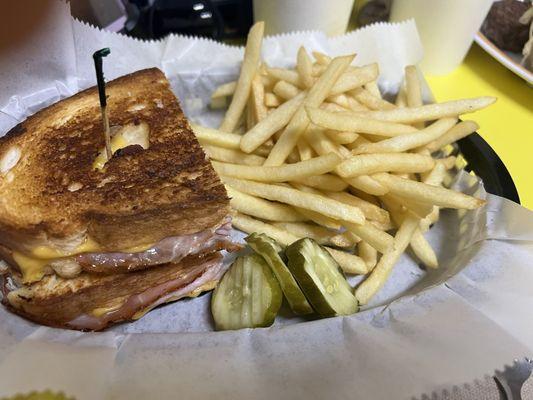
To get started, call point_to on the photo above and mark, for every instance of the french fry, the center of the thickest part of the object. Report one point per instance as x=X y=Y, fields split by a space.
x=333 y=107
x=345 y=239
x=320 y=234
x=387 y=226
x=340 y=137
x=381 y=272
x=354 y=78
x=320 y=219
x=421 y=210
x=227 y=89
x=262 y=150
x=373 y=88
x=249 y=113
x=435 y=177
x=339 y=99
x=401 y=99
x=250 y=225
x=372 y=102
x=357 y=122
x=283 y=173
x=261 y=208
x=285 y=90
x=448 y=162
x=218 y=103
x=224 y=90
x=422 y=249
x=271 y=100
x=327 y=182
x=409 y=141
x=304 y=150
x=275 y=121
x=250 y=62
x=318 y=69
x=287 y=75
x=258 y=99
x=348 y=262
x=354 y=105
x=232 y=156
x=412 y=87
x=322 y=144
x=300 y=121
x=359 y=141
x=430 y=219
x=321 y=204
x=367 y=184
x=459 y=131
x=429 y=112
x=304 y=66
x=368 y=254
x=371 y=211
x=365 y=164
x=413 y=90
x=424 y=193
x=378 y=239
x=364 y=196
x=215 y=137
x=321 y=58
x=314 y=216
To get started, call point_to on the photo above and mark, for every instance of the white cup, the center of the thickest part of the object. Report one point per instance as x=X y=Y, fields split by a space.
x=330 y=16
x=446 y=28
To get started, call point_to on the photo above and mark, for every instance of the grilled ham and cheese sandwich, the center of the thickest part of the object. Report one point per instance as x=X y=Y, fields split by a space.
x=87 y=241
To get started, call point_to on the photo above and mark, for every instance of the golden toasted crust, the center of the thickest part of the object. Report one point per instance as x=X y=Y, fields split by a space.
x=138 y=197
x=57 y=302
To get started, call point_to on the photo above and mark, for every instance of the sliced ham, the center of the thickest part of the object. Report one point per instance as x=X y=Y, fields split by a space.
x=151 y=298
x=171 y=249
x=78 y=303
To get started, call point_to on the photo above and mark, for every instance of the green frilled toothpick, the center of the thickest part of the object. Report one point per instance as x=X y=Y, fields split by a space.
x=97 y=56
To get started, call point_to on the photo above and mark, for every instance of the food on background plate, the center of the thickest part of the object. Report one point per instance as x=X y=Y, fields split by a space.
x=509 y=26
x=87 y=241
x=503 y=26
x=340 y=164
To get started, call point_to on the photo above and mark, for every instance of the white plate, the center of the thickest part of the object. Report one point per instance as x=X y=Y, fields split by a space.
x=508 y=59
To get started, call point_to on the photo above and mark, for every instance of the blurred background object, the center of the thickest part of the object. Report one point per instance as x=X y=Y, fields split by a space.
x=282 y=16
x=152 y=19
x=446 y=28
x=366 y=12
x=503 y=27
x=216 y=19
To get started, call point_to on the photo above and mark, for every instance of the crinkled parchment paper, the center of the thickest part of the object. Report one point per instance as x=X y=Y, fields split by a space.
x=423 y=331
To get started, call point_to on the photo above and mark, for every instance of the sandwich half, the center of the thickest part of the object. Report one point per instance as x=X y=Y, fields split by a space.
x=86 y=241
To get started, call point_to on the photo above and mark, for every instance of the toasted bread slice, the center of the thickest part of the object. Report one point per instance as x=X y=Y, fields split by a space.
x=92 y=302
x=50 y=191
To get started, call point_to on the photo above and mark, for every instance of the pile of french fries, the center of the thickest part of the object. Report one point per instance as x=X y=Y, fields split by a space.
x=315 y=151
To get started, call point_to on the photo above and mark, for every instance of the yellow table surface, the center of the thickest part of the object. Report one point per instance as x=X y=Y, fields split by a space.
x=507 y=125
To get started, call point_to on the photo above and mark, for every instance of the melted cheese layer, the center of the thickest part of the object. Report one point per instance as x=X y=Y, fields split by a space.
x=33 y=265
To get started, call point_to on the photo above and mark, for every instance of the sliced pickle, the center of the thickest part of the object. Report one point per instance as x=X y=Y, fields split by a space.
x=269 y=249
x=320 y=278
x=248 y=295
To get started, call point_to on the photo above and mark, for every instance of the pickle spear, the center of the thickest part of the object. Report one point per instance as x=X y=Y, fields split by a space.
x=320 y=278
x=248 y=295
x=269 y=249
